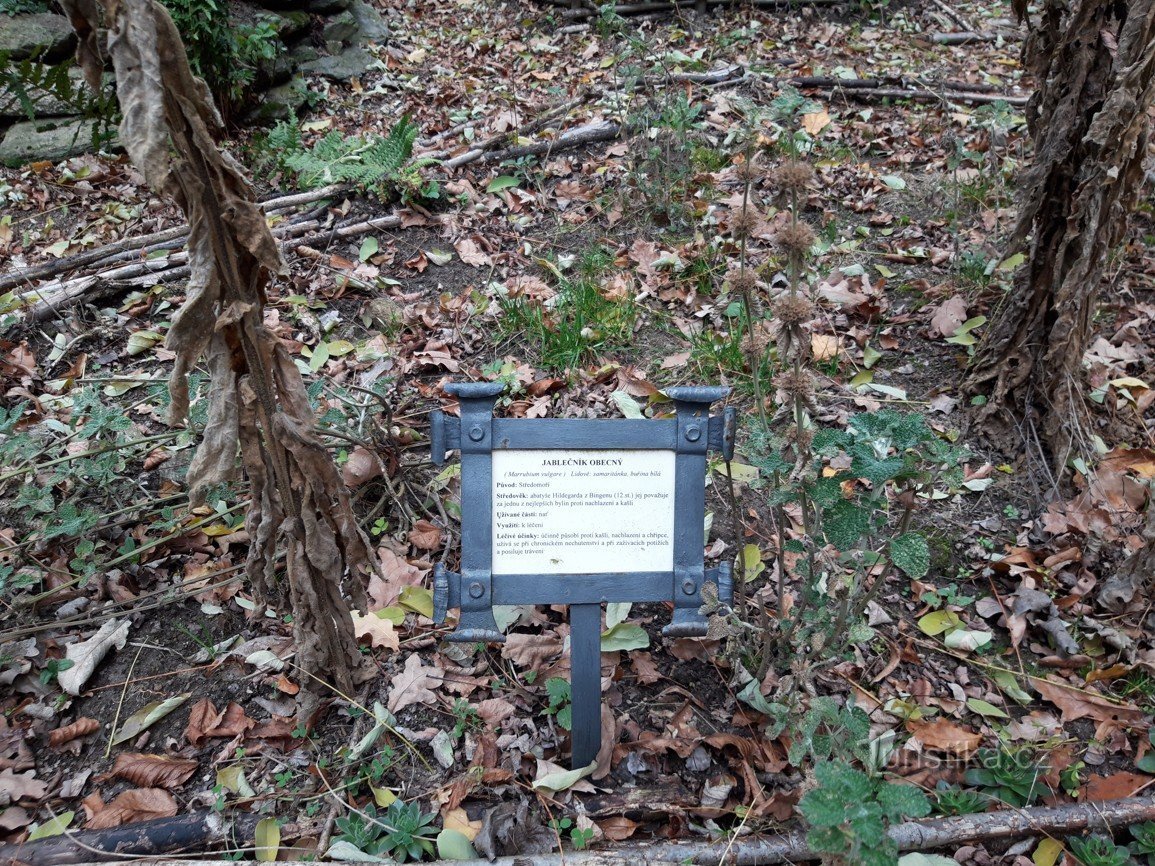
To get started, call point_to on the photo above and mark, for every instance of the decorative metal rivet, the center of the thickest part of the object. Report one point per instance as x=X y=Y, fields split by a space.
x=693 y=433
x=476 y=433
x=688 y=586
x=476 y=590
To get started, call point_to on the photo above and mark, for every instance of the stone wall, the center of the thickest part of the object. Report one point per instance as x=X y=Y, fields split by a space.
x=330 y=38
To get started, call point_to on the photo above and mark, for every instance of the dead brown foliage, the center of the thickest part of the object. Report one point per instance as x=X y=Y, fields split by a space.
x=258 y=402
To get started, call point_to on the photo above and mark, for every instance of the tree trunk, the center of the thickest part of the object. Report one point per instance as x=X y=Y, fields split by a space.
x=1094 y=61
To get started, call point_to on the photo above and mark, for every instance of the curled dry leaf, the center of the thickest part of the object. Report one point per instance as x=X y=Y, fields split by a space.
x=86 y=655
x=153 y=771
x=205 y=721
x=380 y=631
x=80 y=728
x=140 y=804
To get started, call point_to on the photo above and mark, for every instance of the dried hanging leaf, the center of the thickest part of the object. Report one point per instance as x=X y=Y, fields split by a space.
x=80 y=728
x=153 y=771
x=257 y=401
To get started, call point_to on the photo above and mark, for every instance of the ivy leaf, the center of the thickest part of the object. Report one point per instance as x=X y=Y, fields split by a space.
x=911 y=553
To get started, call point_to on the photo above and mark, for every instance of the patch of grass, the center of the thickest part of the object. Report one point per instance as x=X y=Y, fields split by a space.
x=1137 y=686
x=577 y=324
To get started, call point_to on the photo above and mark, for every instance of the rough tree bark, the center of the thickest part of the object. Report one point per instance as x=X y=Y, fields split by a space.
x=257 y=400
x=1094 y=61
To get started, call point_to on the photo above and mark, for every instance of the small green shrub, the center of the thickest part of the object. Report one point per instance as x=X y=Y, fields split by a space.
x=402 y=832
x=1098 y=851
x=21 y=7
x=224 y=53
x=372 y=162
x=1143 y=846
x=578 y=323
x=953 y=800
x=1011 y=775
x=849 y=812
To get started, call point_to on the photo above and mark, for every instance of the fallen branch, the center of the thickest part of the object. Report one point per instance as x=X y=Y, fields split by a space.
x=764 y=851
x=645 y=8
x=46 y=301
x=197 y=831
x=968 y=37
x=602 y=130
x=902 y=88
x=155 y=240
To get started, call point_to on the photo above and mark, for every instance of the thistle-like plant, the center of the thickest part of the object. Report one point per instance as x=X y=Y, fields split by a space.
x=849 y=813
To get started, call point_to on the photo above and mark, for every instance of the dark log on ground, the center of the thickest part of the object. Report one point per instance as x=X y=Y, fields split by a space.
x=194 y=832
x=763 y=851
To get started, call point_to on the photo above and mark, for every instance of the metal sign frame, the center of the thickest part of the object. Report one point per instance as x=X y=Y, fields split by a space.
x=690 y=434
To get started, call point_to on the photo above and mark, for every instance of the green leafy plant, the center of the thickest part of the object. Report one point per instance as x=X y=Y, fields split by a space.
x=578 y=323
x=1011 y=775
x=1143 y=845
x=953 y=800
x=579 y=838
x=371 y=161
x=828 y=730
x=225 y=53
x=20 y=7
x=849 y=812
x=402 y=832
x=558 y=691
x=31 y=84
x=465 y=717
x=1098 y=850
x=53 y=668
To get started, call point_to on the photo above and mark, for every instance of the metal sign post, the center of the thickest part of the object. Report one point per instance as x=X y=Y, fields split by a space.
x=580 y=512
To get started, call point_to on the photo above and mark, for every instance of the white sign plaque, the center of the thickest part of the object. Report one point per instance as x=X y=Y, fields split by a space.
x=582 y=511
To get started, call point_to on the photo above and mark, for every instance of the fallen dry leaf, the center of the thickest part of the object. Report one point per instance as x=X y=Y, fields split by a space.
x=949 y=316
x=141 y=804
x=80 y=728
x=1115 y=786
x=1076 y=704
x=86 y=655
x=206 y=721
x=362 y=466
x=425 y=536
x=411 y=686
x=20 y=786
x=380 y=631
x=946 y=736
x=153 y=771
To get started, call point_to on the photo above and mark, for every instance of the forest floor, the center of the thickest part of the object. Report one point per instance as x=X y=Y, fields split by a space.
x=586 y=280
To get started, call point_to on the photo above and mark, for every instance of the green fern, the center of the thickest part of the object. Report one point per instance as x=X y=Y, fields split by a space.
x=364 y=161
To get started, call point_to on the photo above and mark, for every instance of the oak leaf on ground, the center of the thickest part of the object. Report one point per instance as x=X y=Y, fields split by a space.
x=411 y=686
x=945 y=735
